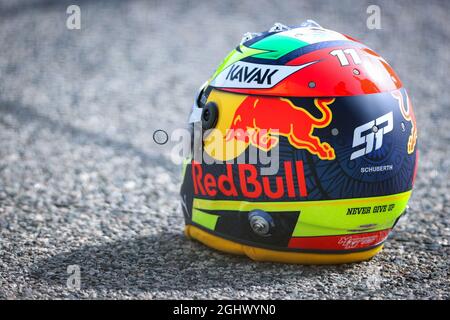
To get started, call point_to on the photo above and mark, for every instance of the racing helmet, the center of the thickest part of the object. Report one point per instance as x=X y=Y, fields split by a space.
x=303 y=149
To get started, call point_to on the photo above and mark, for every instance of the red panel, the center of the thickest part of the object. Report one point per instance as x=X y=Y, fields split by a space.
x=341 y=242
x=372 y=75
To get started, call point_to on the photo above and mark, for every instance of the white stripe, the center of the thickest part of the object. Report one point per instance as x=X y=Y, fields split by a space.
x=251 y=75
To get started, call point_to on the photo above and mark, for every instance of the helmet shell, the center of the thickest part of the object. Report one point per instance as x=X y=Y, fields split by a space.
x=339 y=130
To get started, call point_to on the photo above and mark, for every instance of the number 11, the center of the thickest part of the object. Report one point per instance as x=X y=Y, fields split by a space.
x=341 y=55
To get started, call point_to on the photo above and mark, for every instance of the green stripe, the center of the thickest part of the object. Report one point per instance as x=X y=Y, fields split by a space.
x=271 y=47
x=235 y=56
x=204 y=219
x=277 y=46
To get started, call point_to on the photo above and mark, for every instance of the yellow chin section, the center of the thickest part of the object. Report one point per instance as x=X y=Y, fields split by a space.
x=259 y=254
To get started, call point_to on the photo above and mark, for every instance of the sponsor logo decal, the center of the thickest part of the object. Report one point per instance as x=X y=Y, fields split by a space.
x=388 y=167
x=251 y=75
x=250 y=183
x=371 y=134
x=361 y=241
x=260 y=120
x=340 y=242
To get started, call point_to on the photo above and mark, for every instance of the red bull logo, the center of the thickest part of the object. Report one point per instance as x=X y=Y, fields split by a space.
x=404 y=104
x=260 y=121
x=250 y=184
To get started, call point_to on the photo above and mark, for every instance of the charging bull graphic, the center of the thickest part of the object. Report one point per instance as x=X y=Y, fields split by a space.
x=404 y=104
x=259 y=120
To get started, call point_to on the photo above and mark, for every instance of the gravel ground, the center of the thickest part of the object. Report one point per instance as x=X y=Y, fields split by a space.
x=82 y=182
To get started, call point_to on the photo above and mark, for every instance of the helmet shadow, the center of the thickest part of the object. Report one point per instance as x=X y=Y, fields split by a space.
x=166 y=262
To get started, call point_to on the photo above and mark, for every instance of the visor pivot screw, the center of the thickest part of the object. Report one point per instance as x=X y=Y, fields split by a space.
x=356 y=71
x=261 y=223
x=312 y=84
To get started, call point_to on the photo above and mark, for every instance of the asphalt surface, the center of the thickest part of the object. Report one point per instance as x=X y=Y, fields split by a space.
x=83 y=183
